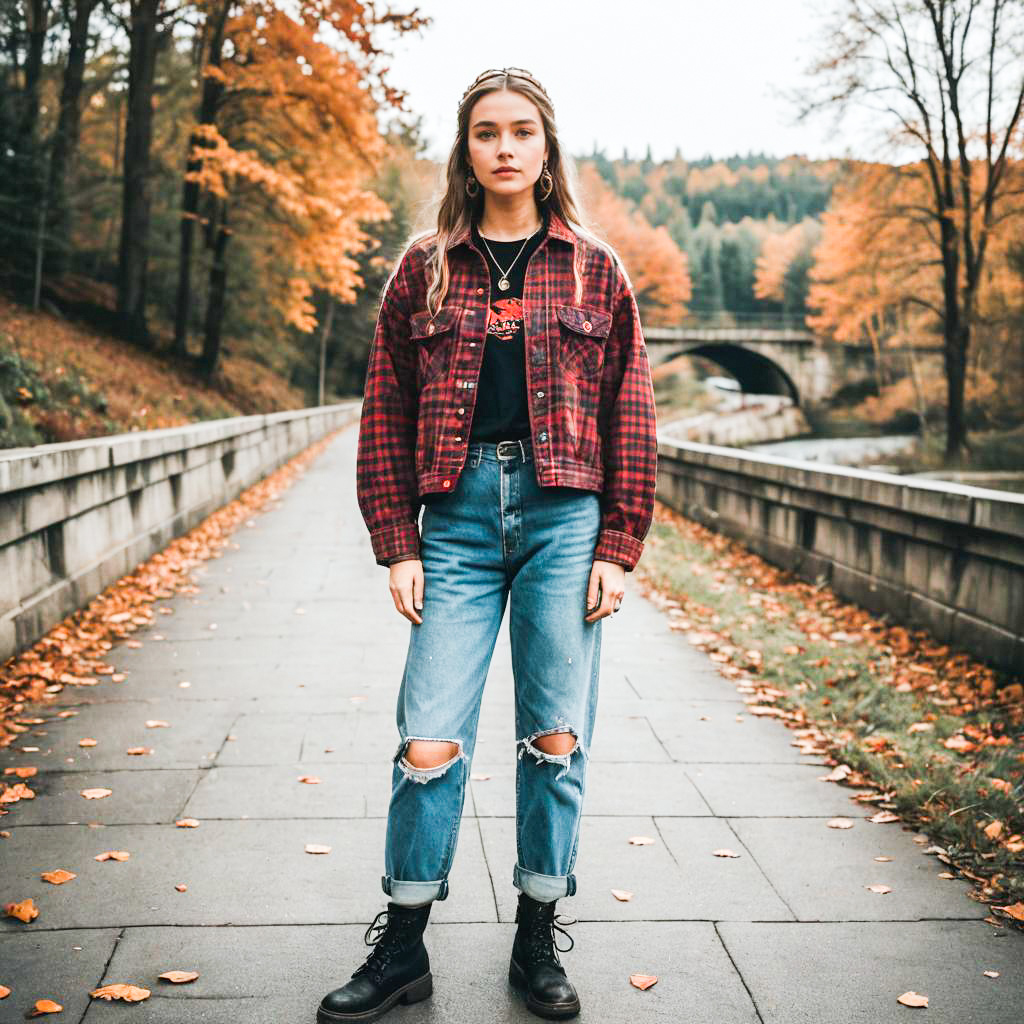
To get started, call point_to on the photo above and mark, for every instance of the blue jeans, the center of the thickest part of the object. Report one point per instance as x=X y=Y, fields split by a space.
x=498 y=535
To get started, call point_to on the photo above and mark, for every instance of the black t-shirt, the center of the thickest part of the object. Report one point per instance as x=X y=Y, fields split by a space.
x=501 y=413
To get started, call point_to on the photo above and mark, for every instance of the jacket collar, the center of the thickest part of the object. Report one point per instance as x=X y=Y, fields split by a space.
x=557 y=228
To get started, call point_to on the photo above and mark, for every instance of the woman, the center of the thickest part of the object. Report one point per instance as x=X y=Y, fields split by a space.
x=508 y=392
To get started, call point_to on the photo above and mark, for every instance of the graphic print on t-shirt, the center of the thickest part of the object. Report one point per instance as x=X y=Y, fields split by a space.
x=504 y=319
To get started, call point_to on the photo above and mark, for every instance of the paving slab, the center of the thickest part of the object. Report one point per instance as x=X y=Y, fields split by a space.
x=827 y=881
x=803 y=973
x=299 y=678
x=63 y=966
x=238 y=980
x=254 y=871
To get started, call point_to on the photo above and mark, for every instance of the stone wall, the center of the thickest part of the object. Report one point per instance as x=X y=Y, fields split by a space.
x=75 y=517
x=941 y=555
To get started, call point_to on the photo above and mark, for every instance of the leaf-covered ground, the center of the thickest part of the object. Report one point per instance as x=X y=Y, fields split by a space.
x=60 y=381
x=923 y=731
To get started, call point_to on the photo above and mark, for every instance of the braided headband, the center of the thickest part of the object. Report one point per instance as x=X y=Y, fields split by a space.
x=495 y=72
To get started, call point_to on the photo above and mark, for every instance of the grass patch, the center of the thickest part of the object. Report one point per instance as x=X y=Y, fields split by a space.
x=934 y=735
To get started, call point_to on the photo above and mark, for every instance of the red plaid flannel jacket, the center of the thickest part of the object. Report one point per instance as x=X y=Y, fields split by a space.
x=590 y=397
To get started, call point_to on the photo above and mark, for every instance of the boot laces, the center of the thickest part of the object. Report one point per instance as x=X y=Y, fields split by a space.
x=542 y=943
x=387 y=940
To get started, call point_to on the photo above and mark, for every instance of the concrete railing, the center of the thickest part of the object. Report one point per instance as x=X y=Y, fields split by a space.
x=941 y=555
x=76 y=516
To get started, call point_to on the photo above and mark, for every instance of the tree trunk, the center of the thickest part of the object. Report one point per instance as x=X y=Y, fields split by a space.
x=956 y=346
x=135 y=206
x=213 y=89
x=218 y=296
x=65 y=142
x=324 y=334
x=36 y=24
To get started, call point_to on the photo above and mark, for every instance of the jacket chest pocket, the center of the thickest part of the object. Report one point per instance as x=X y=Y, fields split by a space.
x=434 y=338
x=582 y=334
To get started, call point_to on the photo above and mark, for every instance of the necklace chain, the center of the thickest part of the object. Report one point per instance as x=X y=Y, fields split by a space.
x=503 y=280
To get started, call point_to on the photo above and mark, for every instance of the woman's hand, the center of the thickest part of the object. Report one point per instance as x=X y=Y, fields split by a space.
x=406 y=585
x=610 y=578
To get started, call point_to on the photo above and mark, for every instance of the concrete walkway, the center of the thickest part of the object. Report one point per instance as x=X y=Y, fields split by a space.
x=299 y=678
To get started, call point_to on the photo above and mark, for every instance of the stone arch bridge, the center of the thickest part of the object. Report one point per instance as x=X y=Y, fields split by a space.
x=778 y=360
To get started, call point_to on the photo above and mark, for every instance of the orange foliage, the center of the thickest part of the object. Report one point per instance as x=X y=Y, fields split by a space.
x=778 y=251
x=296 y=136
x=657 y=268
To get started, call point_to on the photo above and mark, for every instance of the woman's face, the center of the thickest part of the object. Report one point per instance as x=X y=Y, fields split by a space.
x=505 y=130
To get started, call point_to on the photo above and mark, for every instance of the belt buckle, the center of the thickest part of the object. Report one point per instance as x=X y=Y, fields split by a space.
x=515 y=446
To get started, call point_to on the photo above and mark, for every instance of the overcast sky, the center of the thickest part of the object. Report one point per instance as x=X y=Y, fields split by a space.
x=627 y=73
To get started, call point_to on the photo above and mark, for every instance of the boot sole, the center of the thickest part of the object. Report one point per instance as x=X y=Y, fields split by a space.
x=415 y=991
x=550 y=1011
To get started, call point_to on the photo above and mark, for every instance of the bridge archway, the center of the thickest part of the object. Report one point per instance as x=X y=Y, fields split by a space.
x=756 y=374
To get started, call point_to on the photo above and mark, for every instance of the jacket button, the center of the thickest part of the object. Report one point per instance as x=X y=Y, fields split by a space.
x=587 y=325
x=479 y=291
x=446 y=483
x=457 y=437
x=542 y=436
x=540 y=394
x=462 y=409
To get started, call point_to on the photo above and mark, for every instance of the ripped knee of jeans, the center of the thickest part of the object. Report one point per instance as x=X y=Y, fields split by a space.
x=424 y=775
x=527 y=745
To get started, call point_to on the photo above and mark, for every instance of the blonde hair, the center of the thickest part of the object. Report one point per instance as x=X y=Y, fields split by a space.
x=457 y=211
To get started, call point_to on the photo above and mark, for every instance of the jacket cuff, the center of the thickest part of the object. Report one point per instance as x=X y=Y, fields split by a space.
x=616 y=546
x=392 y=541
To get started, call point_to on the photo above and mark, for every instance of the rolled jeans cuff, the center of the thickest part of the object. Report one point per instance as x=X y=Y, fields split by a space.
x=414 y=894
x=543 y=888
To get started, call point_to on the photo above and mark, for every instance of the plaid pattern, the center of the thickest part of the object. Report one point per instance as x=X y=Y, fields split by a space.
x=591 y=402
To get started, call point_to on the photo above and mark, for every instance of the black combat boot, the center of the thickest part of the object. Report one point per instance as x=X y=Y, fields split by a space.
x=398 y=969
x=535 y=971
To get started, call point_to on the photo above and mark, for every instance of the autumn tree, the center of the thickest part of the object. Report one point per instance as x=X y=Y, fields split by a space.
x=657 y=268
x=945 y=79
x=285 y=139
x=783 y=265
x=875 y=278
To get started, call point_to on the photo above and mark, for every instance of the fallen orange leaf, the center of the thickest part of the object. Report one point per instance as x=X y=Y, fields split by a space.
x=311 y=780
x=316 y=848
x=58 y=877
x=25 y=911
x=642 y=981
x=724 y=853
x=139 y=750
x=27 y=772
x=1015 y=910
x=113 y=855
x=883 y=817
x=96 y=794
x=641 y=840
x=880 y=889
x=187 y=823
x=181 y=888
x=4 y=991
x=623 y=895
x=42 y=1006
x=156 y=723
x=839 y=823
x=912 y=999
x=87 y=741
x=179 y=976
x=120 y=990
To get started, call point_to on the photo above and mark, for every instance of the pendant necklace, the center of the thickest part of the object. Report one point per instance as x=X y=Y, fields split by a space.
x=503 y=280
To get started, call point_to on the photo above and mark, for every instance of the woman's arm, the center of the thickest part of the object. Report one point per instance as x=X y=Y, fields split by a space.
x=629 y=436
x=385 y=462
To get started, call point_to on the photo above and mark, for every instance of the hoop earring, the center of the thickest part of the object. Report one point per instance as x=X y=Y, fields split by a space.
x=547 y=185
x=471 y=180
